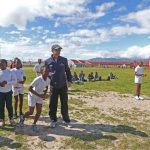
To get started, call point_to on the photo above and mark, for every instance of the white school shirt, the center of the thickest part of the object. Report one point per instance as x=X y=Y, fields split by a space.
x=138 y=70
x=19 y=74
x=39 y=84
x=10 y=77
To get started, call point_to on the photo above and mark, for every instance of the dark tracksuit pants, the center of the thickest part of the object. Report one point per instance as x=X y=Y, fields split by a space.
x=6 y=98
x=55 y=93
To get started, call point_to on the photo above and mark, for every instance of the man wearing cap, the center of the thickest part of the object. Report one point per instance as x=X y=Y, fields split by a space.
x=61 y=78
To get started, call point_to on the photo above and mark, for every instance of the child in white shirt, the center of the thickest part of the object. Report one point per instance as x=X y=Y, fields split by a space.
x=18 y=88
x=7 y=79
x=138 y=80
x=37 y=92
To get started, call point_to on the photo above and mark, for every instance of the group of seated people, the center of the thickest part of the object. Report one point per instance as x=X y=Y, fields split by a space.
x=95 y=77
x=91 y=77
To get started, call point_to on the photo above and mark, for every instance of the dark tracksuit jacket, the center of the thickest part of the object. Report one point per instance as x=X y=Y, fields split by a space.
x=59 y=73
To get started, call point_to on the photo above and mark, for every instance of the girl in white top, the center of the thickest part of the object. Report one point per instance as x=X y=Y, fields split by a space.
x=37 y=93
x=18 y=88
x=7 y=79
x=138 y=80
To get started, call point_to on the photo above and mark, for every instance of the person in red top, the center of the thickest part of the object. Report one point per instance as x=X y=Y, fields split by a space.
x=12 y=65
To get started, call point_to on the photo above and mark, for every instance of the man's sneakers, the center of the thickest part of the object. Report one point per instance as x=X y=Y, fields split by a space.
x=21 y=120
x=53 y=124
x=139 y=98
x=68 y=124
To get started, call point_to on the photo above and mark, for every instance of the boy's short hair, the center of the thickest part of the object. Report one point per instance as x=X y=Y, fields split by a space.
x=18 y=60
x=43 y=67
x=3 y=61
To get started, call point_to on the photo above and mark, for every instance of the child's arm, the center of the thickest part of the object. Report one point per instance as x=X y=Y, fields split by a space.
x=45 y=90
x=24 y=79
x=138 y=74
x=35 y=93
x=2 y=84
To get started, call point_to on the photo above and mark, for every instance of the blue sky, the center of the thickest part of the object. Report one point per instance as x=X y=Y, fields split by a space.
x=84 y=28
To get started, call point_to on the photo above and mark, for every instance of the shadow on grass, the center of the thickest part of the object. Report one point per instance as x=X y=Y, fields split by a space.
x=9 y=143
x=75 y=90
x=85 y=132
x=27 y=130
x=92 y=131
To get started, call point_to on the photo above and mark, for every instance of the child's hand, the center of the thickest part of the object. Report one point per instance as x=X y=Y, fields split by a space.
x=41 y=96
x=44 y=96
x=2 y=84
x=21 y=82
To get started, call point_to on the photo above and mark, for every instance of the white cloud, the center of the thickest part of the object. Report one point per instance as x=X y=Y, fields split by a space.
x=105 y=6
x=13 y=32
x=57 y=24
x=137 y=52
x=140 y=19
x=120 y=9
x=131 y=52
x=37 y=28
x=23 y=41
x=9 y=50
x=144 y=4
x=85 y=16
x=18 y=13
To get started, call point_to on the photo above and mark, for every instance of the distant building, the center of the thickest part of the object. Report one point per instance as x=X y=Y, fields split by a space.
x=85 y=63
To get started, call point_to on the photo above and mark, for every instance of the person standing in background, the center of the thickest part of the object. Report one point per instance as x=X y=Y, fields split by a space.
x=37 y=67
x=138 y=80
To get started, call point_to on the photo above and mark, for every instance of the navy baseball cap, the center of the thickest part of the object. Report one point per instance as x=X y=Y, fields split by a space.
x=56 y=46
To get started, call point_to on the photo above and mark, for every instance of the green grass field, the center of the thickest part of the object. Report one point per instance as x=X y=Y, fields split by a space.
x=122 y=129
x=124 y=83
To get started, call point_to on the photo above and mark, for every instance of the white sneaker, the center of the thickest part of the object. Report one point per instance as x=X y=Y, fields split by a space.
x=68 y=124
x=137 y=98
x=141 y=98
x=53 y=124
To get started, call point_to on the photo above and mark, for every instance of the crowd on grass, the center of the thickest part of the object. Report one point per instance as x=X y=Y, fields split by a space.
x=81 y=77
